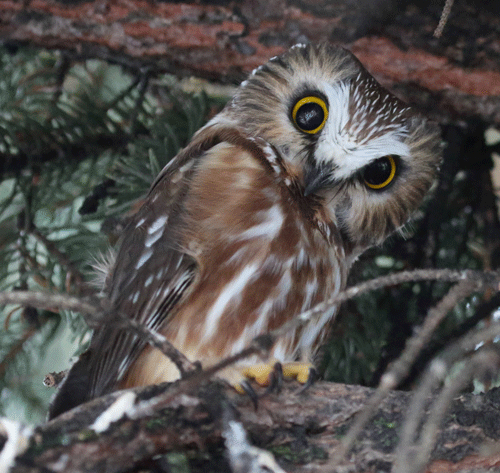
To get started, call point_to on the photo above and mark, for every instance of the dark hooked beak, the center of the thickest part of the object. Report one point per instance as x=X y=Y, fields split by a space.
x=317 y=177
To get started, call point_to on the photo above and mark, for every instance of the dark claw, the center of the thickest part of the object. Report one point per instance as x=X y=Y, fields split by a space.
x=250 y=392
x=275 y=380
x=311 y=379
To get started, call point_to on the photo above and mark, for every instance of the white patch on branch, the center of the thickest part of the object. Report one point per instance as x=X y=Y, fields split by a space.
x=123 y=405
x=244 y=457
x=18 y=436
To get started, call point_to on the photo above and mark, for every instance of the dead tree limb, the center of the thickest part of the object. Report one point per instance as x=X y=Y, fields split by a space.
x=454 y=76
x=297 y=429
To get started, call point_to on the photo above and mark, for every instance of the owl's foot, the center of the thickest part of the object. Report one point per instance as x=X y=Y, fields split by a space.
x=261 y=373
x=302 y=372
x=311 y=379
x=272 y=375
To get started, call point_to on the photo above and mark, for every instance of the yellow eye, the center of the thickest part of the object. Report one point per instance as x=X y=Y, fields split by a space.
x=380 y=173
x=309 y=114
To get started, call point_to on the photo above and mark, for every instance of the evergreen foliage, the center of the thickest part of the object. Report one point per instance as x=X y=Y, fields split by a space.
x=80 y=144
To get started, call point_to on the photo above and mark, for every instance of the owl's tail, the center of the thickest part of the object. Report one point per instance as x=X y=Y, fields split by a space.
x=74 y=389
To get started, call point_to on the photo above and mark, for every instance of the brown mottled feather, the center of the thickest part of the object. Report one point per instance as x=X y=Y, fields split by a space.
x=229 y=198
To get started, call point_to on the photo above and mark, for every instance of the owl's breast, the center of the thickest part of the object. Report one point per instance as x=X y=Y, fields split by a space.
x=264 y=255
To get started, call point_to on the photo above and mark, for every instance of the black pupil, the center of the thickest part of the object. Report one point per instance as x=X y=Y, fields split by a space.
x=310 y=116
x=378 y=172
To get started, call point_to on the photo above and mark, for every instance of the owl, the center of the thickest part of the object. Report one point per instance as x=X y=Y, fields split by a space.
x=258 y=219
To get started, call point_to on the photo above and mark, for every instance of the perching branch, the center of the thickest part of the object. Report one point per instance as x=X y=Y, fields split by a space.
x=115 y=433
x=155 y=399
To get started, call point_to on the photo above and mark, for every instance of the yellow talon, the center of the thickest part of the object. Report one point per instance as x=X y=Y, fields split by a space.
x=261 y=373
x=299 y=371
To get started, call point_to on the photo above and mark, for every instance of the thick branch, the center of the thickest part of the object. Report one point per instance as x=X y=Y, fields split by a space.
x=223 y=42
x=298 y=429
x=142 y=423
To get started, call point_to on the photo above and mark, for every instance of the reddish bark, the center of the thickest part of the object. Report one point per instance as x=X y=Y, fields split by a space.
x=453 y=77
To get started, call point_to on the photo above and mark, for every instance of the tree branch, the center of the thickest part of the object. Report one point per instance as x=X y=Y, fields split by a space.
x=135 y=411
x=223 y=42
x=298 y=429
x=48 y=301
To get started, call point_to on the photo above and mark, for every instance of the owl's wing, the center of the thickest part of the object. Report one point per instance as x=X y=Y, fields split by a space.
x=151 y=274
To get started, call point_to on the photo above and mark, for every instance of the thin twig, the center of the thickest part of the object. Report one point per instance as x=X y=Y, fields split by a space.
x=143 y=85
x=62 y=67
x=18 y=346
x=435 y=374
x=155 y=339
x=440 y=406
x=444 y=18
x=95 y=316
x=48 y=301
x=62 y=258
x=402 y=365
x=444 y=275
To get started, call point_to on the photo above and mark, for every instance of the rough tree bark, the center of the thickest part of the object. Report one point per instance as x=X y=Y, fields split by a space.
x=455 y=76
x=303 y=431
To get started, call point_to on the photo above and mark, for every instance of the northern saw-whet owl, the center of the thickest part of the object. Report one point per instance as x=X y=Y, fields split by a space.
x=260 y=218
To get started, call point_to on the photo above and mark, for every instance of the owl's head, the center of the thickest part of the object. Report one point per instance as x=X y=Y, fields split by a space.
x=370 y=156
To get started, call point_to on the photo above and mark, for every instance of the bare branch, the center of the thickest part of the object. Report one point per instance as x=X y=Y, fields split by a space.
x=54 y=379
x=95 y=316
x=222 y=43
x=444 y=18
x=48 y=301
x=400 y=368
x=63 y=260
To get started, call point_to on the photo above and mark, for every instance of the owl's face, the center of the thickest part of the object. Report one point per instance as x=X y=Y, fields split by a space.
x=366 y=153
